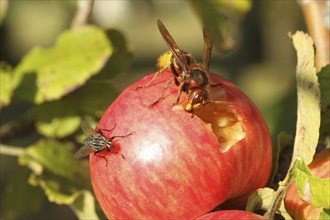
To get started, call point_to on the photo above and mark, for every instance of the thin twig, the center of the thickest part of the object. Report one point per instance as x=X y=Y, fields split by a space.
x=314 y=13
x=84 y=11
x=11 y=150
x=278 y=198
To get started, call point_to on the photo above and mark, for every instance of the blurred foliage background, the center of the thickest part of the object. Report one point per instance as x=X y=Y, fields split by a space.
x=52 y=78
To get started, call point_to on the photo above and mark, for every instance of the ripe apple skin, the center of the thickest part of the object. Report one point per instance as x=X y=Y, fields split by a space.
x=297 y=207
x=173 y=166
x=231 y=215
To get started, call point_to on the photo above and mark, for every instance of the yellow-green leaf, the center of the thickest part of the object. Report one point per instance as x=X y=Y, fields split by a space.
x=58 y=118
x=311 y=189
x=324 y=214
x=84 y=206
x=262 y=199
x=308 y=92
x=56 y=158
x=62 y=118
x=54 y=169
x=46 y=74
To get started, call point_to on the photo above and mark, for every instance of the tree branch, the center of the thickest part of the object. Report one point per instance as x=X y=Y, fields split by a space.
x=84 y=11
x=11 y=150
x=315 y=13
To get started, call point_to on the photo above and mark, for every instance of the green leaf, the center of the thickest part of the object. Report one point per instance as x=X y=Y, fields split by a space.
x=84 y=206
x=20 y=198
x=54 y=157
x=57 y=189
x=310 y=188
x=54 y=169
x=324 y=79
x=49 y=74
x=58 y=118
x=59 y=127
x=216 y=15
x=308 y=92
x=62 y=118
x=6 y=88
x=237 y=6
x=324 y=214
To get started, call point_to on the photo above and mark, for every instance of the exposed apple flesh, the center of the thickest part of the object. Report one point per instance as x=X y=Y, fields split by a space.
x=178 y=166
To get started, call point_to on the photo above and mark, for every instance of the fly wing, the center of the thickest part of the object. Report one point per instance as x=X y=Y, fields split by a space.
x=86 y=128
x=171 y=44
x=208 y=43
x=82 y=152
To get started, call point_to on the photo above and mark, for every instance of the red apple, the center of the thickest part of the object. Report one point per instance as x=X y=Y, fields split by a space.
x=231 y=215
x=297 y=207
x=176 y=165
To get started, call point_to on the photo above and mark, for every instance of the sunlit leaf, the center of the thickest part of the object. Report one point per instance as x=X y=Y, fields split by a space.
x=308 y=92
x=261 y=200
x=56 y=158
x=6 y=87
x=324 y=79
x=48 y=74
x=311 y=189
x=19 y=197
x=61 y=176
x=84 y=206
x=61 y=118
x=58 y=118
x=57 y=189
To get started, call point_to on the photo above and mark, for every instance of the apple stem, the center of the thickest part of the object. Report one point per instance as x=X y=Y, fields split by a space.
x=280 y=193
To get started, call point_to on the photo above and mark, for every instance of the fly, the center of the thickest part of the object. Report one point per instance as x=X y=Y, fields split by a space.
x=95 y=142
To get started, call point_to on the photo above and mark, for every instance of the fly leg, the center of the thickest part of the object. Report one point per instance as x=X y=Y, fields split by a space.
x=119 y=154
x=112 y=146
x=108 y=130
x=123 y=136
x=96 y=154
